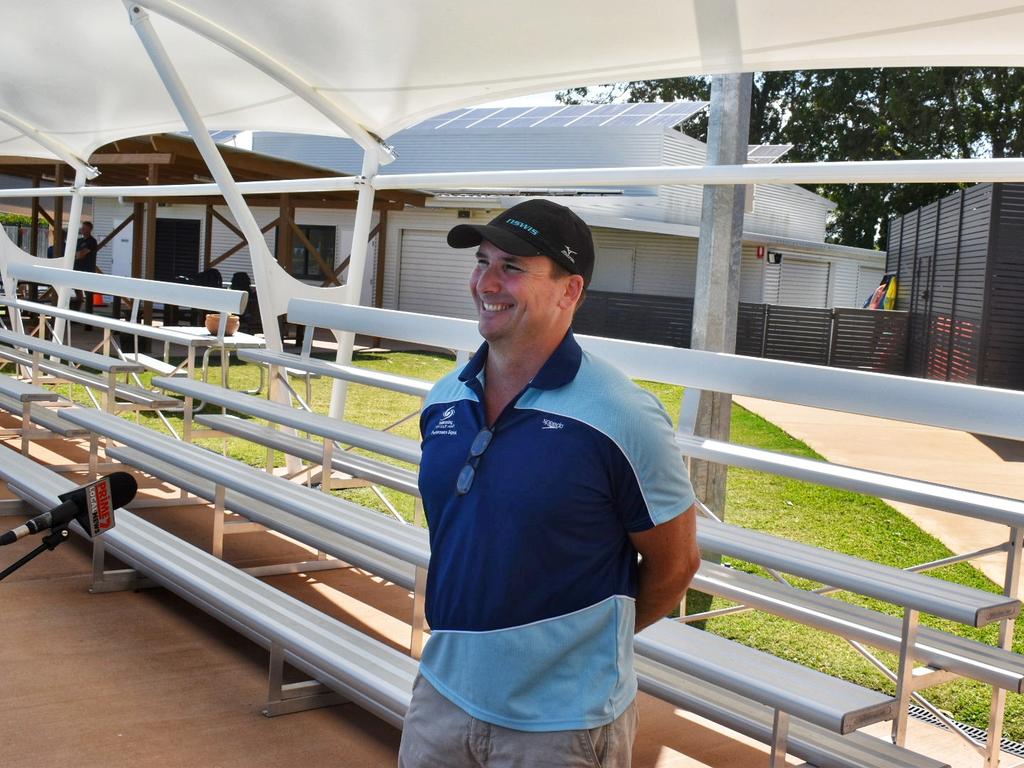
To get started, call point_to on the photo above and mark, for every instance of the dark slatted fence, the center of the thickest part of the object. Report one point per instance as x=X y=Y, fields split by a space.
x=867 y=340
x=636 y=317
x=798 y=334
x=750 y=326
x=960 y=266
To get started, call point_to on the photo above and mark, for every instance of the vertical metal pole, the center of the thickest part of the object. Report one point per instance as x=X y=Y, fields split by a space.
x=905 y=676
x=780 y=735
x=356 y=271
x=260 y=253
x=716 y=296
x=217 y=538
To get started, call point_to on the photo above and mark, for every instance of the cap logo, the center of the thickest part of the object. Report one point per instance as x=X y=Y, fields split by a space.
x=523 y=225
x=568 y=252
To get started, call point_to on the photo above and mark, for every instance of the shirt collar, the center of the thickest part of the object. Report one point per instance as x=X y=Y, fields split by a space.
x=557 y=371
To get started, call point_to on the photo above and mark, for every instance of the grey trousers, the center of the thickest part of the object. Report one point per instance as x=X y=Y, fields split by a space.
x=438 y=734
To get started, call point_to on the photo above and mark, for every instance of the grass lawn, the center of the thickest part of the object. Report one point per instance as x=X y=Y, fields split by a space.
x=839 y=520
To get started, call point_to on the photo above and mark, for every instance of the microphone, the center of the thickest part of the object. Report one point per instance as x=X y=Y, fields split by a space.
x=92 y=505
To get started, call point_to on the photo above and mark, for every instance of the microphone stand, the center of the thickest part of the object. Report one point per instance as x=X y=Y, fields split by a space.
x=56 y=536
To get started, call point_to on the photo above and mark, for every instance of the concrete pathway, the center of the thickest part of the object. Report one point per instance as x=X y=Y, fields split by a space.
x=924 y=453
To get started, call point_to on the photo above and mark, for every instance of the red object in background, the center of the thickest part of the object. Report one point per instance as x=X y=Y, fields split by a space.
x=760 y=251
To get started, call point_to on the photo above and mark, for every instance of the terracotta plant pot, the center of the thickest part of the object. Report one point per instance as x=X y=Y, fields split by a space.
x=213 y=321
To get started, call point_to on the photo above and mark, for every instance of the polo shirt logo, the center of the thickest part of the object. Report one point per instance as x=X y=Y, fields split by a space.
x=549 y=424
x=446 y=426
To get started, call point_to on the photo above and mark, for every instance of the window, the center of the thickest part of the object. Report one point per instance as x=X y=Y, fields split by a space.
x=304 y=264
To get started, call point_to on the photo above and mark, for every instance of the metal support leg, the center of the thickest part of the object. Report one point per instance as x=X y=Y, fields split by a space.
x=110 y=394
x=98 y=558
x=26 y=426
x=285 y=698
x=1011 y=588
x=419 y=617
x=780 y=733
x=327 y=465
x=94 y=455
x=125 y=579
x=217 y=545
x=905 y=674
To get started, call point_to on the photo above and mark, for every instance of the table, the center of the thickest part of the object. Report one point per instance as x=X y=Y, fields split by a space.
x=197 y=337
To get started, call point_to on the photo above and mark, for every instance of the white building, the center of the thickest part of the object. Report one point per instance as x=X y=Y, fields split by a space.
x=646 y=237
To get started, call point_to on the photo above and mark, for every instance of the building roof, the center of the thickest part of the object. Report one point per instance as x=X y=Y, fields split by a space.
x=176 y=160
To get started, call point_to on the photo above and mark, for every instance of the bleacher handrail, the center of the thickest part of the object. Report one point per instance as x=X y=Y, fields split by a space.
x=966 y=407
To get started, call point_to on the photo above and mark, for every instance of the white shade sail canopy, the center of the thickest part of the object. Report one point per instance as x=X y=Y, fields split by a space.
x=76 y=71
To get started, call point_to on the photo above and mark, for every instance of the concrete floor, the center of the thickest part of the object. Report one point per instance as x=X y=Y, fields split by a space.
x=143 y=679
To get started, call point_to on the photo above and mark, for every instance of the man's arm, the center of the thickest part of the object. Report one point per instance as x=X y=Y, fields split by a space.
x=86 y=248
x=669 y=559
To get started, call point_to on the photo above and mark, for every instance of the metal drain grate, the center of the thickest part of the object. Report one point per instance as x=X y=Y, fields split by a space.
x=978 y=734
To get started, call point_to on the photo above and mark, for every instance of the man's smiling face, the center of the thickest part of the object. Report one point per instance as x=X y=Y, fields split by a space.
x=519 y=299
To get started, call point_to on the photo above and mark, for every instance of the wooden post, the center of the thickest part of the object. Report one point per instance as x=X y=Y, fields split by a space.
x=58 y=214
x=208 y=240
x=150 y=260
x=284 y=233
x=285 y=219
x=138 y=232
x=33 y=237
x=382 y=244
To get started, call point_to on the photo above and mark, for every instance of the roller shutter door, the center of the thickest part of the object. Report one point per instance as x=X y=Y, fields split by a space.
x=433 y=279
x=867 y=281
x=803 y=283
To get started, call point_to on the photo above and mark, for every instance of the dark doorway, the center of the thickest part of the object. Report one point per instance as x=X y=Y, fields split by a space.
x=177 y=249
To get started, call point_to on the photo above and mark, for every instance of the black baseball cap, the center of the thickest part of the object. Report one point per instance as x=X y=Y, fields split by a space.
x=535 y=228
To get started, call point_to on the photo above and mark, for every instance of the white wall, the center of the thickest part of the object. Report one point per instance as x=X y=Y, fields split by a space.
x=782 y=210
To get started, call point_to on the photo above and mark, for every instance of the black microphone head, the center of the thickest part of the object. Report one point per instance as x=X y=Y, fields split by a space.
x=123 y=488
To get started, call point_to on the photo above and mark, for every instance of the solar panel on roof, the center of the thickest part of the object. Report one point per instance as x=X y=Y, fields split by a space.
x=563 y=116
x=647 y=108
x=673 y=114
x=764 y=154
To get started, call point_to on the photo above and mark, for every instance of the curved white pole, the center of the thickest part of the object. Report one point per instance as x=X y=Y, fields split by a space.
x=276 y=70
x=356 y=272
x=265 y=268
x=70 y=245
x=58 y=148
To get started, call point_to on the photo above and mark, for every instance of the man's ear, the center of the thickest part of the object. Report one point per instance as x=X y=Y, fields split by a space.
x=572 y=291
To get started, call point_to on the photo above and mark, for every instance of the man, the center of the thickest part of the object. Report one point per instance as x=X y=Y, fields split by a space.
x=544 y=473
x=85 y=258
x=85 y=249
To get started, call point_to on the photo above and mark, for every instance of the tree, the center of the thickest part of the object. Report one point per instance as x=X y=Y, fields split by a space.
x=865 y=114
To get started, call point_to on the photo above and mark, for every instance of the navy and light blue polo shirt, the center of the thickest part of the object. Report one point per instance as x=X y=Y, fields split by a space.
x=530 y=594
